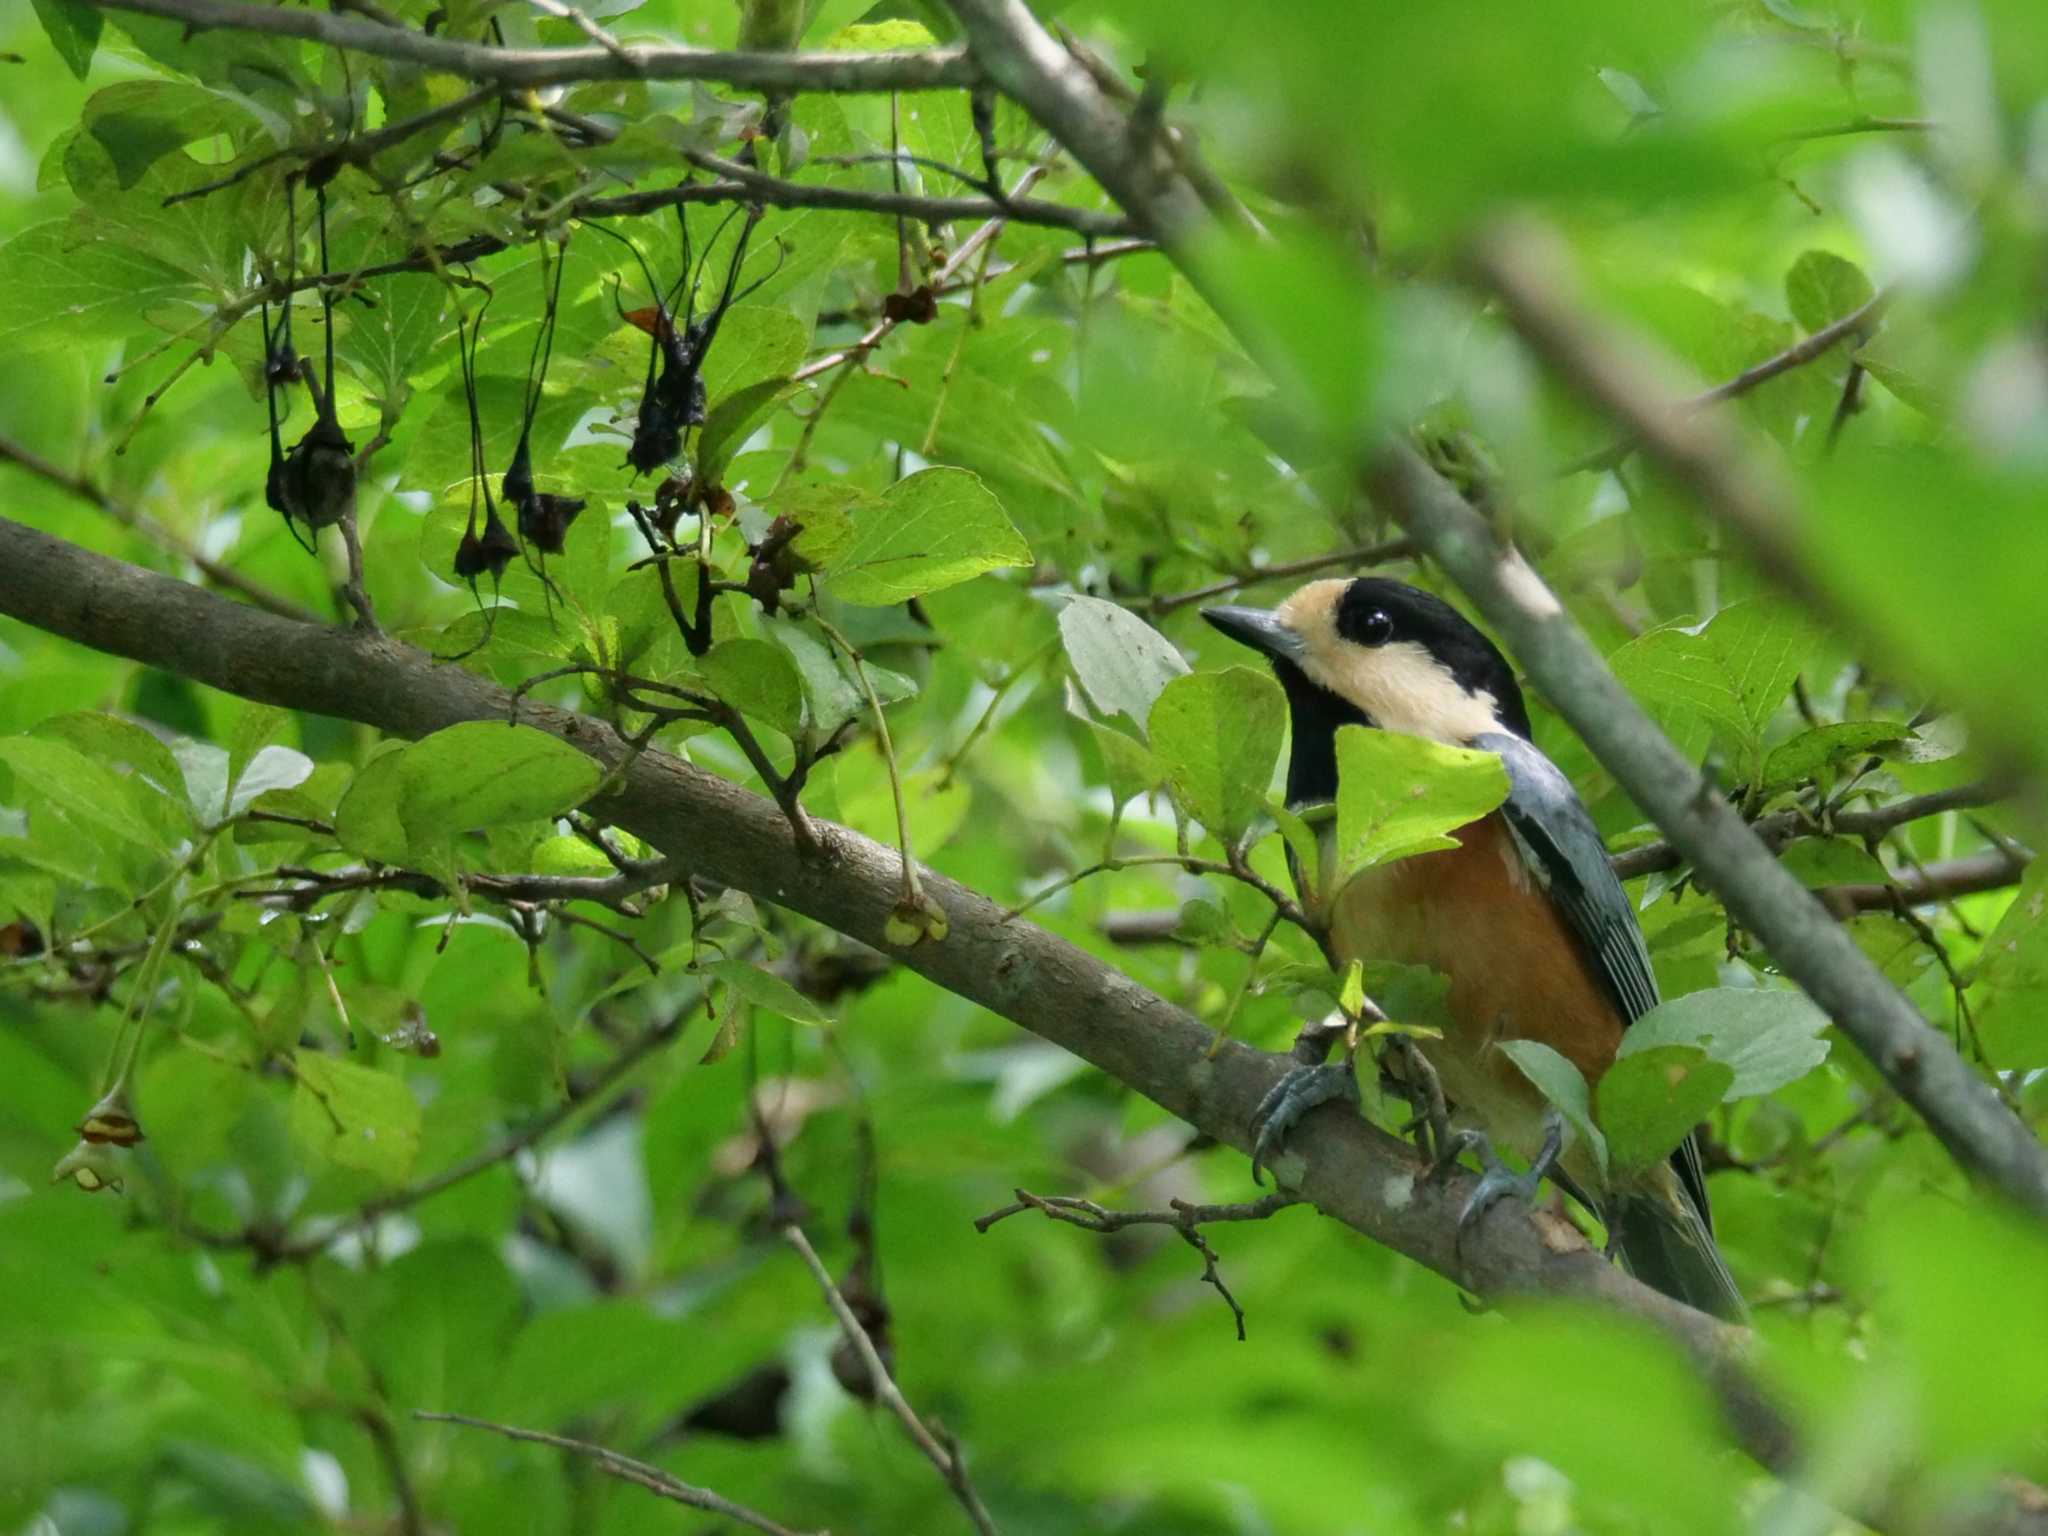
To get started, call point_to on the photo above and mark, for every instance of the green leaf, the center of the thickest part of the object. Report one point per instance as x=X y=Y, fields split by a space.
x=1122 y=662
x=757 y=678
x=74 y=31
x=1412 y=995
x=138 y=122
x=2009 y=991
x=830 y=695
x=274 y=767
x=756 y=344
x=732 y=420
x=1303 y=843
x=1733 y=673
x=355 y=1117
x=1822 y=287
x=1399 y=795
x=1819 y=861
x=1132 y=770
x=934 y=529
x=80 y=787
x=1652 y=1097
x=1559 y=1082
x=768 y=991
x=1798 y=758
x=366 y=821
x=484 y=774
x=1766 y=1037
x=1218 y=736
x=54 y=288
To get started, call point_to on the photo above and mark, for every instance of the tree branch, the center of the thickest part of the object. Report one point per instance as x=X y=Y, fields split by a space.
x=927 y=69
x=1780 y=827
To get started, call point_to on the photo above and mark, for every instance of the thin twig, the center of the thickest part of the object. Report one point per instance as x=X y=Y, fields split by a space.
x=951 y=1464
x=1365 y=554
x=164 y=538
x=625 y=1469
x=1798 y=355
x=1183 y=1217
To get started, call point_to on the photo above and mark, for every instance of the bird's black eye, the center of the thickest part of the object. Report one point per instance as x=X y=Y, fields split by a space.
x=1377 y=628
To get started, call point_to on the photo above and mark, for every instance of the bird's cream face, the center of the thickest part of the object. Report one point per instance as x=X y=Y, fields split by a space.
x=1400 y=685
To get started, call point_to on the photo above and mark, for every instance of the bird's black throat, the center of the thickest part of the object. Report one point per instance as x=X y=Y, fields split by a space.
x=1315 y=714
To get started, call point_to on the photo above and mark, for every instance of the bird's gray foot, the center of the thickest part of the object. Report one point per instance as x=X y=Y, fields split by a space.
x=1497 y=1181
x=1301 y=1090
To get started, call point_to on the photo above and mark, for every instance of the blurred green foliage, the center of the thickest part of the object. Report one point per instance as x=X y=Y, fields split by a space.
x=238 y=1340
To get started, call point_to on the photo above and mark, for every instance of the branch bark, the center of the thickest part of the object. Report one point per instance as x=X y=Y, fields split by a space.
x=928 y=69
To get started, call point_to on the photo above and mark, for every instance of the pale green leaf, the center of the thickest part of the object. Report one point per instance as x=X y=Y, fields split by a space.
x=1652 y=1097
x=1122 y=662
x=932 y=530
x=768 y=991
x=1399 y=795
x=1218 y=736
x=355 y=1117
x=1766 y=1037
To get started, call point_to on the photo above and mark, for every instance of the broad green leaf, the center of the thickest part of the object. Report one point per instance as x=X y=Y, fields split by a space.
x=1652 y=1097
x=483 y=774
x=355 y=1117
x=1766 y=1037
x=2009 y=992
x=1399 y=795
x=138 y=122
x=1303 y=844
x=1132 y=770
x=256 y=727
x=756 y=345
x=732 y=420
x=274 y=767
x=66 y=778
x=139 y=756
x=1122 y=662
x=1822 y=287
x=563 y=854
x=1217 y=734
x=1800 y=757
x=768 y=991
x=934 y=529
x=366 y=821
x=1560 y=1083
x=55 y=288
x=1819 y=861
x=757 y=678
x=830 y=696
x=74 y=31
x=1733 y=672
x=1410 y=994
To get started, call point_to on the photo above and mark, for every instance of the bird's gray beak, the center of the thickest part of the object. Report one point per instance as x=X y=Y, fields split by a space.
x=1259 y=628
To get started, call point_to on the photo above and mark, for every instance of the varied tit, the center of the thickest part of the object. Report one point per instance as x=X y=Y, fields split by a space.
x=1525 y=917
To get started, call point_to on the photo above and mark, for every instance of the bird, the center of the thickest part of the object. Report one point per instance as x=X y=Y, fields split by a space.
x=1525 y=918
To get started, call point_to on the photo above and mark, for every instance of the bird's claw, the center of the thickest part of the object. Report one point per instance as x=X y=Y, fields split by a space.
x=1497 y=1181
x=1298 y=1092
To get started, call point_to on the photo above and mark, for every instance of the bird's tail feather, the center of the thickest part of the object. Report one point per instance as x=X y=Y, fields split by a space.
x=1664 y=1243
